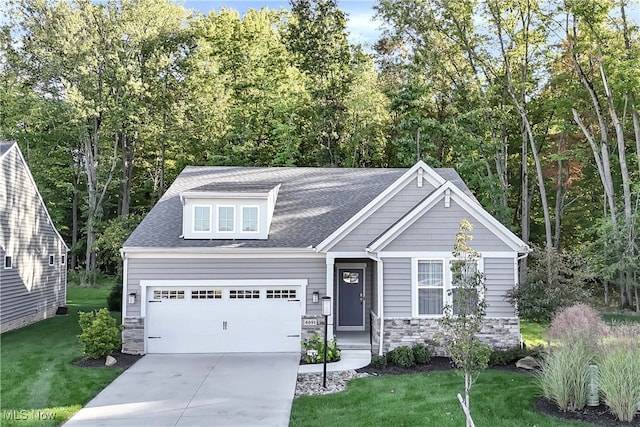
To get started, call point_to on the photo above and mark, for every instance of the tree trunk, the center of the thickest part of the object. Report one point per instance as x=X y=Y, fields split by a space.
x=606 y=293
x=128 y=147
x=74 y=225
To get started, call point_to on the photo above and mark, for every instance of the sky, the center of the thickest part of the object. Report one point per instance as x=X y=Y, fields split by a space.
x=361 y=26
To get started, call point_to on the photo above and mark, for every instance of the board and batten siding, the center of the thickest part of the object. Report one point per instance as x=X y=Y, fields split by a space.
x=397 y=287
x=436 y=230
x=185 y=269
x=32 y=289
x=499 y=279
x=386 y=215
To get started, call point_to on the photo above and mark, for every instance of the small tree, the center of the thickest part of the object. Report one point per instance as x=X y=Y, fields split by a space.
x=464 y=316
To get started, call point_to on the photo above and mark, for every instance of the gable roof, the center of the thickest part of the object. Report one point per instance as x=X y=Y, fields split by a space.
x=312 y=203
x=5 y=148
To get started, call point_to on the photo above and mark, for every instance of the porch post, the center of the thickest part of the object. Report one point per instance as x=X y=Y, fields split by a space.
x=329 y=291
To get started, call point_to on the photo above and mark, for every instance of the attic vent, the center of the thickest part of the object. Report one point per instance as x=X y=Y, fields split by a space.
x=447 y=198
x=420 y=177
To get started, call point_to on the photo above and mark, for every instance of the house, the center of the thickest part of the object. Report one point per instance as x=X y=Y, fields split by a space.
x=33 y=275
x=237 y=259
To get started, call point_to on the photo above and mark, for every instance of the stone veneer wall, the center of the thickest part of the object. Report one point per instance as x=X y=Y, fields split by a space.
x=501 y=332
x=28 y=320
x=375 y=333
x=310 y=329
x=133 y=335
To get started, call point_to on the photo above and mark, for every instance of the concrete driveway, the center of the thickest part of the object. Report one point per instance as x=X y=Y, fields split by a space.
x=248 y=389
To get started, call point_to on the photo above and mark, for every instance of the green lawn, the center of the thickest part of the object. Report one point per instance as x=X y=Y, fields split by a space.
x=620 y=317
x=38 y=378
x=499 y=399
x=533 y=333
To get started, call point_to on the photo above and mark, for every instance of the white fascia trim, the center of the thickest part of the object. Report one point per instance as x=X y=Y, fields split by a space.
x=138 y=252
x=220 y=195
x=359 y=254
x=444 y=254
x=468 y=204
x=144 y=284
x=431 y=176
x=35 y=187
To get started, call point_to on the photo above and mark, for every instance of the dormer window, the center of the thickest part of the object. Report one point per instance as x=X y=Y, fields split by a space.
x=250 y=219
x=202 y=218
x=229 y=210
x=226 y=219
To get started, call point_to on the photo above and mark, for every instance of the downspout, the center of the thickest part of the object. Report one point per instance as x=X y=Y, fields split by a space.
x=125 y=262
x=380 y=283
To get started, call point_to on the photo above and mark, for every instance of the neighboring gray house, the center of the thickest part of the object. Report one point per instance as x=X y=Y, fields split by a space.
x=33 y=274
x=235 y=259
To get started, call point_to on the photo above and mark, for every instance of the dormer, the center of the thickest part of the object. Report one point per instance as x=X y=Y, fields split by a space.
x=228 y=211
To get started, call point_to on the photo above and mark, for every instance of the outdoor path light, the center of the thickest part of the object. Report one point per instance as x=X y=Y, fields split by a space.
x=326 y=312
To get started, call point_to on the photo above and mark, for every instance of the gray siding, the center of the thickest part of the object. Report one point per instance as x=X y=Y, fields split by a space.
x=380 y=220
x=32 y=287
x=312 y=269
x=397 y=287
x=436 y=231
x=499 y=278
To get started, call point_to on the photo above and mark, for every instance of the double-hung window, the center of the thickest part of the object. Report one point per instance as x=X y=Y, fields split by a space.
x=8 y=262
x=464 y=275
x=226 y=218
x=430 y=287
x=202 y=218
x=250 y=219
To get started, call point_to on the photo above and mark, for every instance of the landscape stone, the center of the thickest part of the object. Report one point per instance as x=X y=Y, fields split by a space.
x=529 y=363
x=110 y=361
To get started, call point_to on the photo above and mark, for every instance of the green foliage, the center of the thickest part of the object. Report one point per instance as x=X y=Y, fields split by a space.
x=554 y=280
x=620 y=382
x=100 y=333
x=421 y=354
x=565 y=374
x=108 y=244
x=85 y=279
x=578 y=322
x=314 y=349
x=379 y=362
x=504 y=357
x=114 y=300
x=402 y=356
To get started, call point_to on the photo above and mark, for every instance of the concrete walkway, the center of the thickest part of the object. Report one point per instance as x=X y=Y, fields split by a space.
x=247 y=389
x=349 y=359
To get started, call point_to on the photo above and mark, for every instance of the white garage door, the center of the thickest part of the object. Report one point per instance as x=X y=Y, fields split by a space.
x=222 y=319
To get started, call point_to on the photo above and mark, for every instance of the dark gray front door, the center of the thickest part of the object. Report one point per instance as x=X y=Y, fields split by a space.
x=350 y=299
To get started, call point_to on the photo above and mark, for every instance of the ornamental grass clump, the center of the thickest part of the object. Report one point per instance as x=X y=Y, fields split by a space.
x=578 y=322
x=620 y=382
x=565 y=375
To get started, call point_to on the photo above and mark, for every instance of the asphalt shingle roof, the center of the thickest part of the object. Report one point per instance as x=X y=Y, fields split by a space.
x=4 y=146
x=312 y=203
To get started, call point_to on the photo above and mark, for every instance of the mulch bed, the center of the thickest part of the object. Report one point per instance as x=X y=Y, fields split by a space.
x=598 y=415
x=124 y=361
x=436 y=364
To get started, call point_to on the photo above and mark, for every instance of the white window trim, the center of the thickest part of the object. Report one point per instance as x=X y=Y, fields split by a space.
x=10 y=267
x=193 y=225
x=446 y=279
x=52 y=260
x=257 y=208
x=233 y=222
x=447 y=285
x=63 y=260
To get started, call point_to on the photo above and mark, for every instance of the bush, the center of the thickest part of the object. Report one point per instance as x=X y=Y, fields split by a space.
x=620 y=382
x=379 y=362
x=314 y=346
x=499 y=357
x=114 y=300
x=421 y=354
x=578 y=322
x=565 y=373
x=402 y=356
x=100 y=333
x=554 y=280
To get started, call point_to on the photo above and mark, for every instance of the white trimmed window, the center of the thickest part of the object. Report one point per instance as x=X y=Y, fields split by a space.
x=431 y=290
x=63 y=260
x=52 y=260
x=202 y=218
x=226 y=219
x=250 y=219
x=467 y=272
x=8 y=262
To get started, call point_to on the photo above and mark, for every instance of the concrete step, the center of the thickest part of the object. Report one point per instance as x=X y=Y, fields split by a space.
x=345 y=345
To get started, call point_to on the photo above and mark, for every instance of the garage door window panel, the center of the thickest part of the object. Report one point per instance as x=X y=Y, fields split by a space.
x=208 y=294
x=244 y=294
x=170 y=294
x=281 y=294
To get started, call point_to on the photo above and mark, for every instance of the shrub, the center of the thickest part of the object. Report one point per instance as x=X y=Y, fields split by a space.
x=314 y=346
x=114 y=300
x=402 y=356
x=379 y=362
x=421 y=354
x=554 y=280
x=578 y=322
x=100 y=333
x=620 y=382
x=500 y=357
x=565 y=373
